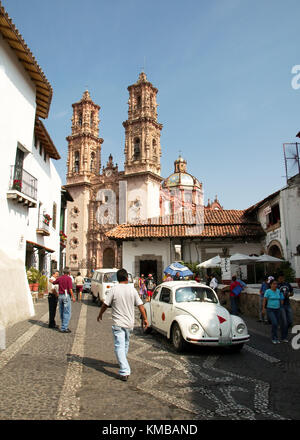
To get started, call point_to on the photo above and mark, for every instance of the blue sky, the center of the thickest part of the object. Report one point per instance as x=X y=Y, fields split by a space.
x=222 y=67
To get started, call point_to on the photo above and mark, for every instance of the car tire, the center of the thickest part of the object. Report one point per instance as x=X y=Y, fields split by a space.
x=236 y=348
x=177 y=339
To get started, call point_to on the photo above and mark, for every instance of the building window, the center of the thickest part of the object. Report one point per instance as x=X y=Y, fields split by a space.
x=76 y=163
x=274 y=215
x=138 y=101
x=92 y=166
x=80 y=119
x=54 y=213
x=136 y=149
x=92 y=119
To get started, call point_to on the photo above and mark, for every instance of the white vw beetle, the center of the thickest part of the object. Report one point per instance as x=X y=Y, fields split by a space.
x=186 y=311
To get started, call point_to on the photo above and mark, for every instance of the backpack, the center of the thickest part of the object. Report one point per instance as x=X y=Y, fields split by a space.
x=150 y=284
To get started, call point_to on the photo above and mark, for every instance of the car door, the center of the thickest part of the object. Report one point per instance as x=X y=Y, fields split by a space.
x=154 y=304
x=165 y=308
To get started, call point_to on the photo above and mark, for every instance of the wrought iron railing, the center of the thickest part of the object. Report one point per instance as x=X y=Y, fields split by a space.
x=22 y=181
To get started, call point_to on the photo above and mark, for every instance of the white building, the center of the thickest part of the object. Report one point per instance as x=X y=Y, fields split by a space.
x=30 y=186
x=279 y=216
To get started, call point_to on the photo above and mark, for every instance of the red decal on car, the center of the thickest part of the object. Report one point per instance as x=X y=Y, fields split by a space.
x=221 y=319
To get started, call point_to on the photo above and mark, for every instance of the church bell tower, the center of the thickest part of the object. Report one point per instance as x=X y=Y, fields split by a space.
x=142 y=131
x=84 y=144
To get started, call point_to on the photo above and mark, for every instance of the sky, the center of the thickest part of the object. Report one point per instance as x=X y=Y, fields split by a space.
x=223 y=69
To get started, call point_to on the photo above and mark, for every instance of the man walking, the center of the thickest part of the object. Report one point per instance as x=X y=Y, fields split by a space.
x=52 y=300
x=122 y=298
x=64 y=299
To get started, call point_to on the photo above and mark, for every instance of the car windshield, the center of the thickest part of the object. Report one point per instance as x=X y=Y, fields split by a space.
x=195 y=293
x=111 y=277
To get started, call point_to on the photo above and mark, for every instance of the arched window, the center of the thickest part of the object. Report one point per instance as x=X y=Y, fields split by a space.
x=80 y=119
x=76 y=162
x=154 y=147
x=136 y=149
x=92 y=165
x=92 y=119
x=138 y=101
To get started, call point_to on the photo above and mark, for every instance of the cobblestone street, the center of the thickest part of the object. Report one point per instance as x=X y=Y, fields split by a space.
x=46 y=375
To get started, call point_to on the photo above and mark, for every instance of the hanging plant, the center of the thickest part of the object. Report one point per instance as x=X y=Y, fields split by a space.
x=47 y=219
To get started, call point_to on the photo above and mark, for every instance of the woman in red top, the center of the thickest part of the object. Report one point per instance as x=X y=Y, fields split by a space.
x=235 y=291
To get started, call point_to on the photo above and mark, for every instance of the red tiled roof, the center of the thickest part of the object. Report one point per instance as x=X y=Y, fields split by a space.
x=217 y=224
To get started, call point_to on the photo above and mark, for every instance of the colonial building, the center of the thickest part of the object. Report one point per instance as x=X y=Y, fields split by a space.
x=106 y=197
x=30 y=187
x=135 y=218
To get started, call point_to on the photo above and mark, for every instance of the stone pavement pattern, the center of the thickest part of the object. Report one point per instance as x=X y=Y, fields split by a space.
x=47 y=375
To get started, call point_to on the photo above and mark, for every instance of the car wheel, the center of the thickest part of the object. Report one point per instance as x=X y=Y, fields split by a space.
x=236 y=348
x=177 y=339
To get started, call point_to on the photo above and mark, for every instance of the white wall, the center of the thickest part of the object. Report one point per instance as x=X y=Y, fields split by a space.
x=18 y=223
x=131 y=249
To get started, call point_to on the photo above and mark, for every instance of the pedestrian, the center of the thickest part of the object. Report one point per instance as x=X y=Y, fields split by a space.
x=142 y=287
x=208 y=279
x=197 y=278
x=273 y=299
x=169 y=277
x=122 y=298
x=79 y=282
x=214 y=282
x=235 y=291
x=263 y=288
x=177 y=277
x=52 y=300
x=65 y=291
x=150 y=285
x=286 y=318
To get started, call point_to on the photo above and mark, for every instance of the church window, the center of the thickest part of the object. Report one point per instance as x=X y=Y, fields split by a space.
x=80 y=119
x=92 y=166
x=92 y=118
x=139 y=101
x=154 y=146
x=136 y=149
x=76 y=163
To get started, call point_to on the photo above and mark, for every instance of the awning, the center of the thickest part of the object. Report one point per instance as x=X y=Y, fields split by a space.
x=39 y=246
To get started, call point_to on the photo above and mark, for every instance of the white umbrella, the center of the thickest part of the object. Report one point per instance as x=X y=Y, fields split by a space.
x=268 y=259
x=213 y=262
x=241 y=259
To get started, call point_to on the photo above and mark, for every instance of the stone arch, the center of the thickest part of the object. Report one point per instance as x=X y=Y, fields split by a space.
x=275 y=249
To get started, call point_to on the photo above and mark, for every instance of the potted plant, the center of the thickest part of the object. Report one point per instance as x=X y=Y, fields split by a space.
x=43 y=284
x=17 y=184
x=47 y=219
x=33 y=276
x=63 y=239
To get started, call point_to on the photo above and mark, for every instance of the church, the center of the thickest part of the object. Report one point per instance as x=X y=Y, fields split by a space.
x=135 y=218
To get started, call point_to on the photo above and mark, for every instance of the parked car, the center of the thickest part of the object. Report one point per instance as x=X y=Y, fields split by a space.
x=189 y=312
x=87 y=285
x=102 y=281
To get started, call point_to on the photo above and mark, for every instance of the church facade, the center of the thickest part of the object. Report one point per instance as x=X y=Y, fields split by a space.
x=135 y=218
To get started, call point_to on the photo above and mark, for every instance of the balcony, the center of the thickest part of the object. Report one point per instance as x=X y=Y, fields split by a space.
x=43 y=226
x=22 y=187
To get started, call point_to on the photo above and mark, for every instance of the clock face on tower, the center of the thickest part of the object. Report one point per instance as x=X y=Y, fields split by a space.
x=108 y=173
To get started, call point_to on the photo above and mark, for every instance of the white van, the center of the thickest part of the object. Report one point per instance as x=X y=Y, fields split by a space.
x=102 y=281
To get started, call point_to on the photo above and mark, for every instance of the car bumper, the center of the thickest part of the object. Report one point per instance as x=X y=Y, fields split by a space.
x=218 y=342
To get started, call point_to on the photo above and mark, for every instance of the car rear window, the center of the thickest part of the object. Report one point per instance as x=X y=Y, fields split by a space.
x=110 y=277
x=194 y=293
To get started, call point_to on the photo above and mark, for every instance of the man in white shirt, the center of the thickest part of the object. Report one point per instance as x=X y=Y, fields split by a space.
x=214 y=282
x=122 y=298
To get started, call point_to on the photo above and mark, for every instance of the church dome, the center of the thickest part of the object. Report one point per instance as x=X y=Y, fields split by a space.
x=180 y=178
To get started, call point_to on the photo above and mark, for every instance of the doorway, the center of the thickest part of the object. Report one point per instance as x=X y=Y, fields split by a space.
x=108 y=258
x=148 y=266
